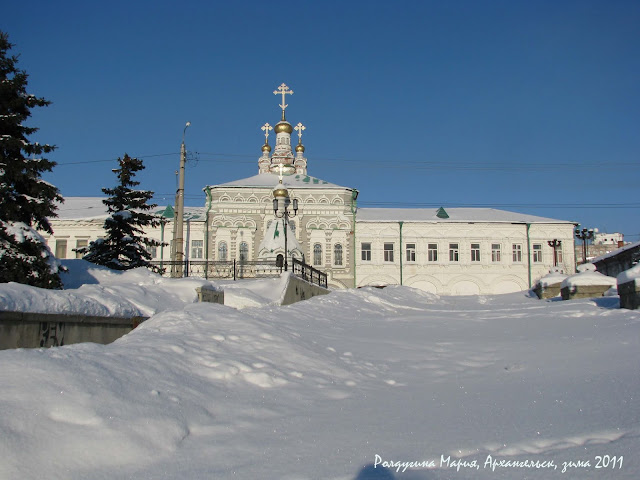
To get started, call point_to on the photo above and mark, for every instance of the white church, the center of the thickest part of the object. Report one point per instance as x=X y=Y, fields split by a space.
x=447 y=251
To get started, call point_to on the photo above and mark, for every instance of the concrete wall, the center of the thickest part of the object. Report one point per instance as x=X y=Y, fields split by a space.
x=210 y=295
x=298 y=289
x=584 y=291
x=35 y=330
x=629 y=295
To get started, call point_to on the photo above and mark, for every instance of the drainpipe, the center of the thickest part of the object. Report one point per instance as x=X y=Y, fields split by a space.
x=162 y=223
x=400 y=252
x=207 y=191
x=354 y=209
x=529 y=253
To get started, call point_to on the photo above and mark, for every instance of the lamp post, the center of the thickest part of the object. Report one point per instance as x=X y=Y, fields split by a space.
x=178 y=247
x=584 y=234
x=555 y=243
x=281 y=203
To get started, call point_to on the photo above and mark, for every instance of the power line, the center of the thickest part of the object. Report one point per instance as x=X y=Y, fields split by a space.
x=393 y=164
x=61 y=164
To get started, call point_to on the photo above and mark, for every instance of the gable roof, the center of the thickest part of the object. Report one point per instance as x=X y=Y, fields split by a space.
x=455 y=215
x=291 y=181
x=92 y=208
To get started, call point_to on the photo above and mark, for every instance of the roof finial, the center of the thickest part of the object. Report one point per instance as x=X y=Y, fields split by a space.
x=265 y=128
x=283 y=90
x=299 y=128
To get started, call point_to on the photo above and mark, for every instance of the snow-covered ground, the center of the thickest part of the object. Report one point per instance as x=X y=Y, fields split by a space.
x=336 y=387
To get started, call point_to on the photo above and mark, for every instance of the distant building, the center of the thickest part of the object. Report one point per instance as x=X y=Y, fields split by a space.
x=447 y=251
x=608 y=239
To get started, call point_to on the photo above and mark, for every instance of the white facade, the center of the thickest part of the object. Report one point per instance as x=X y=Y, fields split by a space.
x=447 y=251
x=473 y=251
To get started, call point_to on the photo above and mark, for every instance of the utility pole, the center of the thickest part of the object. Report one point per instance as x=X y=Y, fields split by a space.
x=177 y=268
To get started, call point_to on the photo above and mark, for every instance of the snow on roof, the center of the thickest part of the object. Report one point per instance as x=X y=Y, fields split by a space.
x=92 y=208
x=630 y=275
x=271 y=180
x=587 y=276
x=552 y=278
x=465 y=214
x=615 y=252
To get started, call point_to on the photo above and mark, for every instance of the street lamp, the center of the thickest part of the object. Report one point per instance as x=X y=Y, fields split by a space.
x=178 y=247
x=584 y=234
x=555 y=243
x=281 y=203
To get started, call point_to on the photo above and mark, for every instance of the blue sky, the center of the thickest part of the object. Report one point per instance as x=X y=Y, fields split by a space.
x=530 y=106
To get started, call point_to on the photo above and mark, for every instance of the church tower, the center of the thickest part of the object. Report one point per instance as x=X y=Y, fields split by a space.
x=283 y=160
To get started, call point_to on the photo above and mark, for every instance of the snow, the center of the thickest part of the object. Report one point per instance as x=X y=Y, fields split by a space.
x=289 y=181
x=616 y=252
x=348 y=386
x=586 y=276
x=552 y=278
x=87 y=208
x=457 y=214
x=633 y=274
x=95 y=290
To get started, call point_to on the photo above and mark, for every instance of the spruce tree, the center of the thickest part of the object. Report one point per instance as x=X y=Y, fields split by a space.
x=124 y=246
x=26 y=201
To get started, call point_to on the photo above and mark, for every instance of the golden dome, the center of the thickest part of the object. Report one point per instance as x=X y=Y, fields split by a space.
x=280 y=192
x=283 y=126
x=266 y=147
x=299 y=148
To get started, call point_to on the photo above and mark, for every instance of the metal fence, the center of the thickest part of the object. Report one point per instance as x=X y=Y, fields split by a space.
x=235 y=270
x=219 y=269
x=308 y=273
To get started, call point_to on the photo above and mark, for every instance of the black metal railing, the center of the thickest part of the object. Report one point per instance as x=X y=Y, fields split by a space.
x=234 y=270
x=308 y=273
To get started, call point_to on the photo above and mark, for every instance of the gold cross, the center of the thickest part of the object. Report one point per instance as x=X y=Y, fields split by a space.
x=299 y=128
x=283 y=90
x=265 y=128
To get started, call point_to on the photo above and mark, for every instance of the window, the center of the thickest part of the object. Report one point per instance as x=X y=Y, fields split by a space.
x=432 y=252
x=559 y=255
x=61 y=249
x=366 y=252
x=411 y=252
x=388 y=252
x=151 y=250
x=222 y=251
x=244 y=252
x=81 y=244
x=337 y=254
x=475 y=252
x=495 y=252
x=365 y=248
x=196 y=249
x=517 y=253
x=454 y=252
x=317 y=254
x=537 y=253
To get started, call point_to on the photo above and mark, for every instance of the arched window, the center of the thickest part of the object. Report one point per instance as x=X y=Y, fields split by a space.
x=222 y=251
x=244 y=252
x=317 y=254
x=337 y=254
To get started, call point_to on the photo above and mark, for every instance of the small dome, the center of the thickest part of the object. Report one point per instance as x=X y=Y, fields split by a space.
x=283 y=126
x=280 y=192
x=299 y=148
x=266 y=147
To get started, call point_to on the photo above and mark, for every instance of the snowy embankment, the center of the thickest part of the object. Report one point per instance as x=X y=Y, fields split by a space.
x=333 y=387
x=98 y=291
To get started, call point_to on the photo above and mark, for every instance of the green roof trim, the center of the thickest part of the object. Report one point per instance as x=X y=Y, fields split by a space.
x=442 y=213
x=168 y=212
